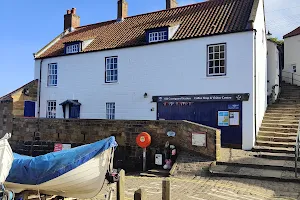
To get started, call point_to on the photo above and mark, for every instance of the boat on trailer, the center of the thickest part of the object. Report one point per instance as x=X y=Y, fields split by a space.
x=78 y=172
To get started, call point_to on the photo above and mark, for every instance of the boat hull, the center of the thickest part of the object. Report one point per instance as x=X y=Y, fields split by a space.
x=85 y=181
x=6 y=159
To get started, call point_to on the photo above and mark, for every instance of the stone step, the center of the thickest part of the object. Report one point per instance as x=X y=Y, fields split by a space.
x=276 y=134
x=282 y=110
x=279 y=114
x=260 y=163
x=280 y=121
x=282 y=105
x=282 y=102
x=269 y=149
x=156 y=173
x=280 y=130
x=276 y=156
x=280 y=125
x=276 y=139
x=288 y=108
x=276 y=144
x=249 y=172
x=280 y=117
x=290 y=96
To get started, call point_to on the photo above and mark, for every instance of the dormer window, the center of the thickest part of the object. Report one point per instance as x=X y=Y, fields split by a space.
x=158 y=36
x=74 y=47
x=161 y=34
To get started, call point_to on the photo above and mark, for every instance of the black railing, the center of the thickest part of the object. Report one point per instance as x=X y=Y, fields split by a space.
x=293 y=76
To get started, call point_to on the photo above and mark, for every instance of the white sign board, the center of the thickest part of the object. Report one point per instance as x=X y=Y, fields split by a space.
x=158 y=159
x=66 y=146
x=234 y=118
x=199 y=139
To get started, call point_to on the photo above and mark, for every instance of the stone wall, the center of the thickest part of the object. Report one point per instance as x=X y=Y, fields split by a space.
x=6 y=116
x=33 y=136
x=19 y=97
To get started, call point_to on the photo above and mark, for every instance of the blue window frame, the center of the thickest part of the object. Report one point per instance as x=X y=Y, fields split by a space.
x=157 y=35
x=52 y=74
x=110 y=110
x=73 y=47
x=111 y=69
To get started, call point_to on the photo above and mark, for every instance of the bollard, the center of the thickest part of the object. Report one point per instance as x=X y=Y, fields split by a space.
x=121 y=186
x=140 y=194
x=166 y=189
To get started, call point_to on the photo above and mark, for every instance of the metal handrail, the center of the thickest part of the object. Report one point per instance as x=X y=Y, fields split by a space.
x=297 y=150
x=291 y=79
x=291 y=73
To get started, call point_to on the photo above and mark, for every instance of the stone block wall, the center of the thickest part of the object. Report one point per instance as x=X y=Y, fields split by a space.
x=33 y=136
x=6 y=116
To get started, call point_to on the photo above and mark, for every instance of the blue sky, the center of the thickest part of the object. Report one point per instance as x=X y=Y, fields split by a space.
x=26 y=26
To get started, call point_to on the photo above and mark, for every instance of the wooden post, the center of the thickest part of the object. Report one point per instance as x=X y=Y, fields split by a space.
x=140 y=194
x=166 y=189
x=121 y=186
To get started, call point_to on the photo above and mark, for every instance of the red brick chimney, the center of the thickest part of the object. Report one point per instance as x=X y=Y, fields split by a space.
x=71 y=20
x=122 y=9
x=171 y=4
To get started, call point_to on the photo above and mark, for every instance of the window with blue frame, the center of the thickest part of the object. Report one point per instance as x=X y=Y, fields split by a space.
x=111 y=69
x=73 y=47
x=157 y=35
x=52 y=74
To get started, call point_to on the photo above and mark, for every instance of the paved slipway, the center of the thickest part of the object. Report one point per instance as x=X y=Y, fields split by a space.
x=210 y=188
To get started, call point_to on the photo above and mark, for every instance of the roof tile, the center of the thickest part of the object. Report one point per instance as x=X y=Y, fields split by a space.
x=196 y=20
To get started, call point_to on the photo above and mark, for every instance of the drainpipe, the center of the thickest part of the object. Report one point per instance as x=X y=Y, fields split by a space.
x=37 y=133
x=40 y=82
x=255 y=122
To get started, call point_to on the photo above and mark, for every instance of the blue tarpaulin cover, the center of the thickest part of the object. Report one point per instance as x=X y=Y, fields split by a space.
x=40 y=169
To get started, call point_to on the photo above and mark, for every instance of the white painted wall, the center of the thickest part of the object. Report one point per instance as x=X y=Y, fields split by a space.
x=261 y=66
x=291 y=57
x=174 y=68
x=273 y=68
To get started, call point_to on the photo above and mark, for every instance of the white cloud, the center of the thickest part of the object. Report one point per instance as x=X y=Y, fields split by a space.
x=282 y=16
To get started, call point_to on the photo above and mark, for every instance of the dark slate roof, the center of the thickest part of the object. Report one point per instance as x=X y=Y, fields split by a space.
x=70 y=102
x=197 y=20
x=293 y=33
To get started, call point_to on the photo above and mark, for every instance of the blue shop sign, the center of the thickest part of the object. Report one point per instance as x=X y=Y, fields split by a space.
x=233 y=106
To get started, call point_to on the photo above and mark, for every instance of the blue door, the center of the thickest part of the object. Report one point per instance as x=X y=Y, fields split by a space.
x=205 y=114
x=29 y=109
x=74 y=111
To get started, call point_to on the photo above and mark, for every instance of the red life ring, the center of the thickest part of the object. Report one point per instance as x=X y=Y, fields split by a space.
x=143 y=140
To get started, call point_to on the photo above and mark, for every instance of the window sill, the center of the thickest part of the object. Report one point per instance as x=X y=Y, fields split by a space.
x=115 y=83
x=50 y=86
x=215 y=77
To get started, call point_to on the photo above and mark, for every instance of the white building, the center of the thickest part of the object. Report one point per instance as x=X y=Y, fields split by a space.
x=273 y=70
x=178 y=63
x=291 y=71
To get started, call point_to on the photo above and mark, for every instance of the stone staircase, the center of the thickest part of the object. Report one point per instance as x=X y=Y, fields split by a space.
x=277 y=135
x=273 y=155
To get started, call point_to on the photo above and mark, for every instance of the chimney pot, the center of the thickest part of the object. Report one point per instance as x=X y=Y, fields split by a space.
x=73 y=11
x=171 y=4
x=122 y=9
x=71 y=20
